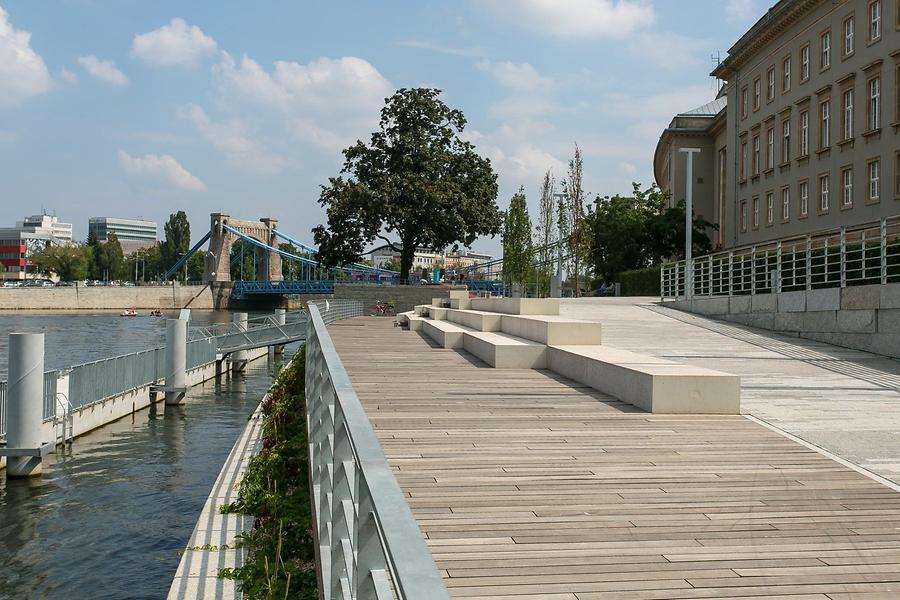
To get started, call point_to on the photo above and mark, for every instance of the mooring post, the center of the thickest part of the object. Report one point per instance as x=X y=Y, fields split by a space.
x=25 y=402
x=280 y=319
x=176 y=360
x=239 y=358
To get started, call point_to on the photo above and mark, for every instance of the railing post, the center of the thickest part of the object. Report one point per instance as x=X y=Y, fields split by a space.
x=753 y=270
x=730 y=273
x=176 y=360
x=808 y=263
x=280 y=319
x=239 y=358
x=778 y=267
x=843 y=255
x=25 y=402
x=883 y=236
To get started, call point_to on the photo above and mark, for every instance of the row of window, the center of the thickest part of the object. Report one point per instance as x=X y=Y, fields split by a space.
x=823 y=190
x=873 y=91
x=848 y=47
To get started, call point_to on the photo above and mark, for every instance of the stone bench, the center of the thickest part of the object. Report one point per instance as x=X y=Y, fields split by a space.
x=653 y=384
x=445 y=333
x=517 y=306
x=461 y=303
x=504 y=351
x=475 y=319
x=546 y=329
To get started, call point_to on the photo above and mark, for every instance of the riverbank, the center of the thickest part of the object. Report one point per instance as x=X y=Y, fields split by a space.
x=149 y=297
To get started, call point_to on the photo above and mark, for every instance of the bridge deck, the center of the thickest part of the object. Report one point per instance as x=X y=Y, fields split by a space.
x=528 y=486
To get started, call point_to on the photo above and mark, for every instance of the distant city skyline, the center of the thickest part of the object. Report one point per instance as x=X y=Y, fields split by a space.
x=140 y=110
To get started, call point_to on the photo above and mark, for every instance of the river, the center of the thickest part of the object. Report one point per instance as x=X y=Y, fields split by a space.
x=108 y=517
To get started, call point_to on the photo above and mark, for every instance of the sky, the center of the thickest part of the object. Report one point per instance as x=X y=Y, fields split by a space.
x=139 y=108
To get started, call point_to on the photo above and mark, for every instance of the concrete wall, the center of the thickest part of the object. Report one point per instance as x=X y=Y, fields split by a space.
x=405 y=297
x=112 y=297
x=863 y=317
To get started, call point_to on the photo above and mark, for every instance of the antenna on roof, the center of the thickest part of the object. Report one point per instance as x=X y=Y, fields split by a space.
x=716 y=60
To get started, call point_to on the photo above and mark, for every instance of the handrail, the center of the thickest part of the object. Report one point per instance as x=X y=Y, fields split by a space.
x=367 y=535
x=864 y=254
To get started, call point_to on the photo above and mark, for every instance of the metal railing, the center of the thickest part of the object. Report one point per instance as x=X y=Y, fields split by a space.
x=336 y=310
x=863 y=255
x=201 y=352
x=49 y=401
x=369 y=544
x=101 y=379
x=263 y=331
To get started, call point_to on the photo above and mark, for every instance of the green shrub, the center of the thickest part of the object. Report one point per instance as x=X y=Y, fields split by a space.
x=640 y=282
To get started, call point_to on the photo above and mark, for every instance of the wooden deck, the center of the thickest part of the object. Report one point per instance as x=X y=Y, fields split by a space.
x=528 y=487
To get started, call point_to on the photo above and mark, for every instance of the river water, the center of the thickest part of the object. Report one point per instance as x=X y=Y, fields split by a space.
x=108 y=518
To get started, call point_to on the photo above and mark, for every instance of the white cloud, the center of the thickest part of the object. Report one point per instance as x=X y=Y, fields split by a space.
x=520 y=77
x=174 y=44
x=577 y=18
x=160 y=169
x=231 y=138
x=326 y=101
x=742 y=11
x=68 y=76
x=23 y=73
x=441 y=49
x=104 y=70
x=8 y=137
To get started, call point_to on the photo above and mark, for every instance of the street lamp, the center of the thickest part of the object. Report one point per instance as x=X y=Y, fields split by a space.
x=689 y=222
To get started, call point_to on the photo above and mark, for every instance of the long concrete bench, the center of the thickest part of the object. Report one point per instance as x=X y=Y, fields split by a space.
x=517 y=306
x=546 y=329
x=652 y=384
x=504 y=351
x=421 y=309
x=445 y=333
x=475 y=319
x=461 y=303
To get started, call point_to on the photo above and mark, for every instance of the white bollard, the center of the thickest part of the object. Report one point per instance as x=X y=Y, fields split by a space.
x=176 y=360
x=25 y=401
x=239 y=359
x=280 y=318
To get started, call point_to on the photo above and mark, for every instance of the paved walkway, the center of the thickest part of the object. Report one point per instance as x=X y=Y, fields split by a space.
x=528 y=486
x=845 y=401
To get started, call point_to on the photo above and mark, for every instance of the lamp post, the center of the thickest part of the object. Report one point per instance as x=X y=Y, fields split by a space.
x=689 y=222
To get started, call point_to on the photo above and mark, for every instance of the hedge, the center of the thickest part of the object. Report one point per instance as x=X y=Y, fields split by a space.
x=640 y=282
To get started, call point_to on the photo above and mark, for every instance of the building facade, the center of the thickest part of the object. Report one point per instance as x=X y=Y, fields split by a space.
x=30 y=234
x=133 y=234
x=806 y=138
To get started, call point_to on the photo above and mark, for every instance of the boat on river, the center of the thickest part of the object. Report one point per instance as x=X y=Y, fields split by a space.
x=128 y=312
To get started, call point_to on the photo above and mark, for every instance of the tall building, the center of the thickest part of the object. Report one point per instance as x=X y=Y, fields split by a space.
x=30 y=234
x=804 y=134
x=133 y=234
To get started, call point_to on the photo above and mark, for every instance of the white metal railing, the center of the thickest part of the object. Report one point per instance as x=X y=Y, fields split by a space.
x=848 y=256
x=369 y=546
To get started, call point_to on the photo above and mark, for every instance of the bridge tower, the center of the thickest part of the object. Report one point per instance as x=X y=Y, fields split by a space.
x=218 y=259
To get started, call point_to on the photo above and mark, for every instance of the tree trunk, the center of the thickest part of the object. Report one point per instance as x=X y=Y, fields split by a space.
x=406 y=261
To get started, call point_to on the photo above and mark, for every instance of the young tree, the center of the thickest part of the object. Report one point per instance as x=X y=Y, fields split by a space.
x=545 y=231
x=517 y=248
x=70 y=263
x=578 y=233
x=416 y=179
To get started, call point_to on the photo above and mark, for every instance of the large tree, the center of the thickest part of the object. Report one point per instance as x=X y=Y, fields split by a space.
x=416 y=180
x=178 y=239
x=69 y=263
x=517 y=248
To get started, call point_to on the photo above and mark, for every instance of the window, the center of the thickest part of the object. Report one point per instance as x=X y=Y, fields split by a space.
x=874 y=20
x=756 y=155
x=874 y=115
x=756 y=93
x=847 y=115
x=770 y=90
x=770 y=208
x=897 y=87
x=804 y=198
x=825 y=122
x=745 y=95
x=825 y=60
x=804 y=63
x=849 y=27
x=785 y=203
x=804 y=133
x=897 y=175
x=743 y=215
x=770 y=148
x=786 y=141
x=755 y=213
x=847 y=186
x=823 y=193
x=786 y=74
x=874 y=180
x=743 y=160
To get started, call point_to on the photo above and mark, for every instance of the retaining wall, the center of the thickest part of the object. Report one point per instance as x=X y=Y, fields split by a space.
x=112 y=297
x=862 y=317
x=405 y=297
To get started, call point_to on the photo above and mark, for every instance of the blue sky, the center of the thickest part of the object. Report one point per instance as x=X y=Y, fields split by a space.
x=135 y=108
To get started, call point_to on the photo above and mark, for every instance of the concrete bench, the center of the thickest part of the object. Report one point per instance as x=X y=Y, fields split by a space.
x=475 y=319
x=461 y=303
x=517 y=306
x=414 y=321
x=445 y=333
x=504 y=351
x=441 y=302
x=421 y=309
x=652 y=384
x=551 y=329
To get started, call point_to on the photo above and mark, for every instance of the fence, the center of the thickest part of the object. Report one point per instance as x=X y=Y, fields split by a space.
x=201 y=352
x=368 y=541
x=335 y=310
x=862 y=255
x=101 y=379
x=49 y=408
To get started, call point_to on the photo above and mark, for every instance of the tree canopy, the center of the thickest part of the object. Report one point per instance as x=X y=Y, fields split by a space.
x=416 y=180
x=517 y=248
x=69 y=263
x=178 y=239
